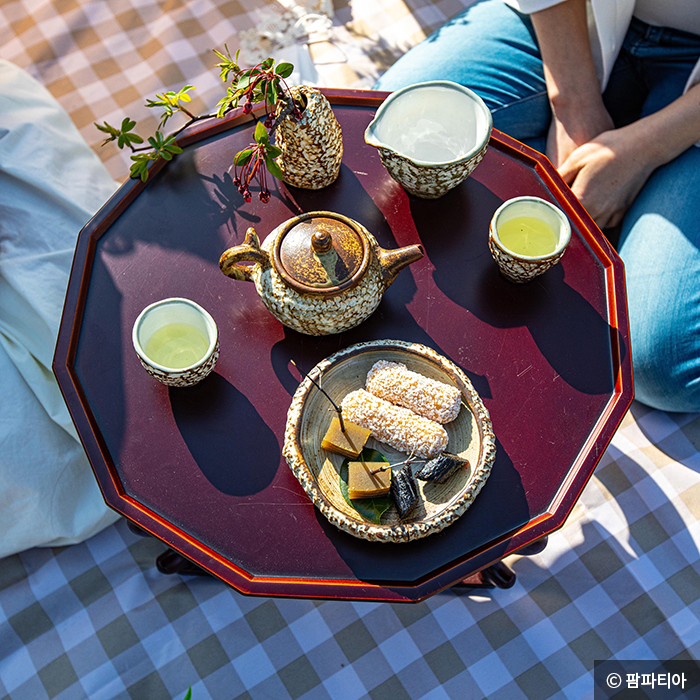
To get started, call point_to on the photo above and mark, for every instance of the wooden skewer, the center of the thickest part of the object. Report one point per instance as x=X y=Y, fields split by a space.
x=323 y=391
x=409 y=460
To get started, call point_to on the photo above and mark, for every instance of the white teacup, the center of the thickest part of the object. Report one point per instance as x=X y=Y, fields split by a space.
x=527 y=236
x=177 y=341
x=431 y=136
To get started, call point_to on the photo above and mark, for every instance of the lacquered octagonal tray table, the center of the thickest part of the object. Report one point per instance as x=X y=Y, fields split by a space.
x=202 y=469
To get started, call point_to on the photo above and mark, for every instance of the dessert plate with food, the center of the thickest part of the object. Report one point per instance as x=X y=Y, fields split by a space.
x=390 y=440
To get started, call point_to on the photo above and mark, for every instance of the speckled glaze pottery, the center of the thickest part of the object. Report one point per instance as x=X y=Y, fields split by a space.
x=318 y=470
x=176 y=310
x=430 y=136
x=318 y=273
x=523 y=268
x=312 y=147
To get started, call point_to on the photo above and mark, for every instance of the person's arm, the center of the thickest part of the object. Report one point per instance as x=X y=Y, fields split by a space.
x=605 y=167
x=608 y=172
x=573 y=89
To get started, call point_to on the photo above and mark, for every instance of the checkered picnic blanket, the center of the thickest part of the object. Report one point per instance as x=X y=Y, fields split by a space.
x=102 y=59
x=620 y=580
x=96 y=620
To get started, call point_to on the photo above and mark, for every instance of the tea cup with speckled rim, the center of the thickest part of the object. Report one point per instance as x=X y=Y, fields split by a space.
x=176 y=310
x=518 y=267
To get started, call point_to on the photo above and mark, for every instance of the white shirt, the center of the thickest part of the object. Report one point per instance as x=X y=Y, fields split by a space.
x=608 y=21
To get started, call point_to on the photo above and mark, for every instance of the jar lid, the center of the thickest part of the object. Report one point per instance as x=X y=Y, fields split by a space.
x=321 y=253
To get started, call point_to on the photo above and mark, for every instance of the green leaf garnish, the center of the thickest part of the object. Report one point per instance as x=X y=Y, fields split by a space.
x=260 y=134
x=370 y=508
x=243 y=157
x=284 y=70
x=273 y=168
x=264 y=82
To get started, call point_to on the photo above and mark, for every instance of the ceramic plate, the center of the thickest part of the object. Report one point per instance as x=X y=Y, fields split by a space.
x=318 y=471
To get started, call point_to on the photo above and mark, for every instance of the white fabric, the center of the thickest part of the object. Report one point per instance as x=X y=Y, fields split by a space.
x=608 y=23
x=51 y=183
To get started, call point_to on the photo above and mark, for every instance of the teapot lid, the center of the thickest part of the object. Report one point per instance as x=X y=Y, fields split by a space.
x=321 y=253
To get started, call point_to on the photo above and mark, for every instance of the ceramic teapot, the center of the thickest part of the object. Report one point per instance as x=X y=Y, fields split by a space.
x=319 y=272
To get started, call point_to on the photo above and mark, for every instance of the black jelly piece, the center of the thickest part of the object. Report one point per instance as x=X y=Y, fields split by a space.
x=441 y=468
x=404 y=490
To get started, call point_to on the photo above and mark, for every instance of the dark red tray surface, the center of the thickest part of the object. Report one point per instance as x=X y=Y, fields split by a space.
x=201 y=468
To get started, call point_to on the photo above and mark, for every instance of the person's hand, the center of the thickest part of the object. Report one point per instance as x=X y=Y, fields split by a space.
x=573 y=127
x=607 y=173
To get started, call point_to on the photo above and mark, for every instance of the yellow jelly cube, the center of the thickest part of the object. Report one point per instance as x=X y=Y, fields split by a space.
x=363 y=484
x=348 y=443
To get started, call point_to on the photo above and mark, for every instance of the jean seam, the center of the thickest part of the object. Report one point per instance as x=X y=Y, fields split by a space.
x=519 y=101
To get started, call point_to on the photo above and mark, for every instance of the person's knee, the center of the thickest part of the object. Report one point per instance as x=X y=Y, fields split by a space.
x=660 y=246
x=488 y=47
x=666 y=363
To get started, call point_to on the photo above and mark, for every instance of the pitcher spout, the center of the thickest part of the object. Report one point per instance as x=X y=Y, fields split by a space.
x=391 y=262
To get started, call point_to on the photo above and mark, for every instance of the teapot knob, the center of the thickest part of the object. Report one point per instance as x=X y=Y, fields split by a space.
x=321 y=241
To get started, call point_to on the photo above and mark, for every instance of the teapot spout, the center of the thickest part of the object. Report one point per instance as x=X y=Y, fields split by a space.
x=392 y=262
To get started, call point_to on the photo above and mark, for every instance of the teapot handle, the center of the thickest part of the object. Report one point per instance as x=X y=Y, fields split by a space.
x=248 y=251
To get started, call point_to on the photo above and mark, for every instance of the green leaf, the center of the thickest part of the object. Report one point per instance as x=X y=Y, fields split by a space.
x=267 y=63
x=272 y=92
x=140 y=167
x=260 y=134
x=274 y=151
x=182 y=94
x=226 y=103
x=188 y=694
x=107 y=129
x=133 y=138
x=172 y=148
x=242 y=157
x=156 y=141
x=273 y=168
x=284 y=70
x=370 y=508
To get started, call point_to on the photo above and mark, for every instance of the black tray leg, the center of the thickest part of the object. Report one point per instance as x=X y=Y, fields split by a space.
x=500 y=575
x=170 y=562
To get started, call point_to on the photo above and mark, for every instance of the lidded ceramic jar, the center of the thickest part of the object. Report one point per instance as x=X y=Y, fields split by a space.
x=318 y=273
x=312 y=146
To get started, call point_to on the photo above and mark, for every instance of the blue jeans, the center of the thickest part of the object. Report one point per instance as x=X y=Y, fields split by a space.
x=493 y=50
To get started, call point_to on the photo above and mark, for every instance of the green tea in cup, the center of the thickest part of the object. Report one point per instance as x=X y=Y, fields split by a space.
x=177 y=341
x=177 y=345
x=527 y=236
